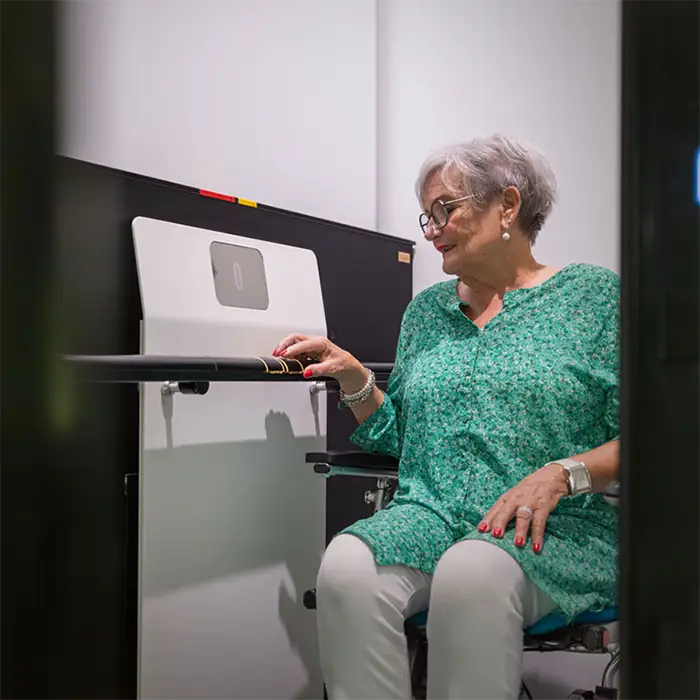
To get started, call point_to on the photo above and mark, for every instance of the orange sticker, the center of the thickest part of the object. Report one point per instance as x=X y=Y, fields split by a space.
x=404 y=257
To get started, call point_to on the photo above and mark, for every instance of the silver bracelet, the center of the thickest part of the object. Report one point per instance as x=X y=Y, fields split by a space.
x=348 y=400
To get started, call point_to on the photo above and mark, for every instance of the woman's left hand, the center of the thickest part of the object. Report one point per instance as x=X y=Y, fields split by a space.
x=530 y=503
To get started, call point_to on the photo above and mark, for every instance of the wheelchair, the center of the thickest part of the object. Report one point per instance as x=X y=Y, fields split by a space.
x=589 y=633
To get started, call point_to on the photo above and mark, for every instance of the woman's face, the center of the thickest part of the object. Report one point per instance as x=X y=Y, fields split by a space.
x=470 y=235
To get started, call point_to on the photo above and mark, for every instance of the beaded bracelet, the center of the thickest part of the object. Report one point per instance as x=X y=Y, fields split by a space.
x=348 y=400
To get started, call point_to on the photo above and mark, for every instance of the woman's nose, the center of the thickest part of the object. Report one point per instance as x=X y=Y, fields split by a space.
x=431 y=232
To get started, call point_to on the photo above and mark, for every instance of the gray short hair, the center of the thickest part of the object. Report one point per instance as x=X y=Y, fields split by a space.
x=484 y=167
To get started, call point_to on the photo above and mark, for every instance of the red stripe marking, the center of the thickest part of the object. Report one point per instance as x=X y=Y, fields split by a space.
x=217 y=195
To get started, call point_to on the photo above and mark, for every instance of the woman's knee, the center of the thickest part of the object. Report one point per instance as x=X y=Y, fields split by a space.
x=474 y=572
x=347 y=568
x=350 y=580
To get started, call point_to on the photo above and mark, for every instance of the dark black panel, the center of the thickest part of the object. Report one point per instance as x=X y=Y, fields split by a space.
x=365 y=288
x=344 y=495
x=660 y=569
x=29 y=462
x=94 y=285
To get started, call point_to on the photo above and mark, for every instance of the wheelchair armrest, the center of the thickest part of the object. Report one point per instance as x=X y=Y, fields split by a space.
x=353 y=463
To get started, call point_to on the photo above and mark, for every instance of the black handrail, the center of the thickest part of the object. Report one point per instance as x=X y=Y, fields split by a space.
x=163 y=368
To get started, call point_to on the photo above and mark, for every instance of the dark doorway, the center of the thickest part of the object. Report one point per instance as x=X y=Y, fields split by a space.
x=660 y=568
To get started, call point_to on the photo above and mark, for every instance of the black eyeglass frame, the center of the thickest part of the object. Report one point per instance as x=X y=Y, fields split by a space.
x=444 y=212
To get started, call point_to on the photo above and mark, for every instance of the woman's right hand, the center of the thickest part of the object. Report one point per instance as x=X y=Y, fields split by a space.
x=328 y=360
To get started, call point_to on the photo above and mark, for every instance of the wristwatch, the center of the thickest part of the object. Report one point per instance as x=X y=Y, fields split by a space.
x=577 y=474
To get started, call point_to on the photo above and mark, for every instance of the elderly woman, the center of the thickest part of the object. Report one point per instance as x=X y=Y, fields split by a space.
x=503 y=410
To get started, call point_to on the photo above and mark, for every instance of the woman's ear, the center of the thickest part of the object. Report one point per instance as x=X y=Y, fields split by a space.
x=511 y=205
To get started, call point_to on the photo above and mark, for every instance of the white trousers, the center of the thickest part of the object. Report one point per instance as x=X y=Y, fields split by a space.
x=480 y=601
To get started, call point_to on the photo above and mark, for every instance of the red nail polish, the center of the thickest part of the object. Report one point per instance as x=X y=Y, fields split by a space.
x=497 y=532
x=537 y=546
x=307 y=373
x=283 y=353
x=274 y=352
x=483 y=527
x=519 y=541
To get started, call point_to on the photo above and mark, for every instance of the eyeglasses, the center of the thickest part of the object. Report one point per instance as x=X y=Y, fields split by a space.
x=440 y=213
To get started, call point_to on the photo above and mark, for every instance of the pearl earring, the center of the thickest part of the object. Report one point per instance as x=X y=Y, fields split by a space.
x=506 y=236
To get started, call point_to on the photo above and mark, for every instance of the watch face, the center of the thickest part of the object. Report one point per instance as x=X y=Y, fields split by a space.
x=579 y=475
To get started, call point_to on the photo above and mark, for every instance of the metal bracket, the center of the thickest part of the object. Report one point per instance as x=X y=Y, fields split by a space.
x=170 y=388
x=381 y=495
x=317 y=387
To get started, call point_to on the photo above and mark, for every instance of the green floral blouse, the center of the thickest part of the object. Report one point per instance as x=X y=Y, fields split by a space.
x=470 y=412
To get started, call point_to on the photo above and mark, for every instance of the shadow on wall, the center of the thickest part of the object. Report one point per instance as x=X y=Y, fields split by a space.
x=238 y=523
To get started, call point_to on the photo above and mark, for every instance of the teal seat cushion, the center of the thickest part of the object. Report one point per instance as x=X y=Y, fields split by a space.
x=550 y=623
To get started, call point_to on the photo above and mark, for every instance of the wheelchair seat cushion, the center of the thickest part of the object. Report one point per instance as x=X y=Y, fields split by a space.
x=550 y=623
x=556 y=620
